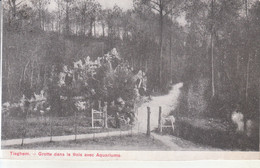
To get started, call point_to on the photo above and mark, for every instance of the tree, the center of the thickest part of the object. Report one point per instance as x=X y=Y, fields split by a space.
x=80 y=8
x=15 y=12
x=58 y=15
x=212 y=48
x=14 y=5
x=64 y=8
x=94 y=9
x=41 y=8
x=164 y=8
x=67 y=29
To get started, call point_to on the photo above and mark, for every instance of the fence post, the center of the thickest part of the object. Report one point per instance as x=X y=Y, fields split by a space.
x=105 y=115
x=138 y=127
x=99 y=105
x=51 y=118
x=92 y=122
x=131 y=130
x=148 y=122
x=135 y=110
x=160 y=120
x=24 y=128
x=94 y=135
x=75 y=125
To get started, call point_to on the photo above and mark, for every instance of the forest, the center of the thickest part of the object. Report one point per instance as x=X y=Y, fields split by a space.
x=212 y=46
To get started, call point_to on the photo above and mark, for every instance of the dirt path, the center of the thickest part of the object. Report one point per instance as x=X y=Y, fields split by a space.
x=178 y=144
x=168 y=103
x=66 y=138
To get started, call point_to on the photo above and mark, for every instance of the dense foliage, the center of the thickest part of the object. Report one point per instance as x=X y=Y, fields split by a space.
x=210 y=45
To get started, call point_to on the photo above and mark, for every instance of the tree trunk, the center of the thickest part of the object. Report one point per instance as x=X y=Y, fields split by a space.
x=59 y=19
x=146 y=65
x=8 y=79
x=94 y=28
x=90 y=28
x=246 y=6
x=171 y=52
x=43 y=21
x=14 y=8
x=247 y=76
x=247 y=87
x=67 y=26
x=25 y=68
x=21 y=79
x=32 y=73
x=237 y=64
x=212 y=51
x=248 y=61
x=247 y=69
x=103 y=30
x=161 y=44
x=259 y=97
x=212 y=66
x=40 y=19
x=171 y=60
x=39 y=75
x=44 y=76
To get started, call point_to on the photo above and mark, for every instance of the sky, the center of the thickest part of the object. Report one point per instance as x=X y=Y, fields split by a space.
x=107 y=4
x=124 y=4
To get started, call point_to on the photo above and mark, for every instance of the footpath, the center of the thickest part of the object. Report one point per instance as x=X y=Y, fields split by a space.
x=67 y=137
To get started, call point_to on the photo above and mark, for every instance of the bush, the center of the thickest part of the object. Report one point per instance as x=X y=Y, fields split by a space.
x=193 y=99
x=214 y=133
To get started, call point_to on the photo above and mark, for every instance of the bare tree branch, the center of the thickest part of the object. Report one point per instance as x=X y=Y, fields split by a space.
x=153 y=7
x=166 y=3
x=175 y=6
x=169 y=11
x=19 y=3
x=9 y=2
x=154 y=2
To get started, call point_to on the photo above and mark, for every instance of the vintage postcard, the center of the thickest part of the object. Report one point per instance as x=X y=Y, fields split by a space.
x=155 y=80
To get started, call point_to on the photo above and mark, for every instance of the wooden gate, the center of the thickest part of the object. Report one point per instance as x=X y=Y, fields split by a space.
x=97 y=117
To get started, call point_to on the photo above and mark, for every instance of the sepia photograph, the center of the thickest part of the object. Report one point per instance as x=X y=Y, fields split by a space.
x=129 y=75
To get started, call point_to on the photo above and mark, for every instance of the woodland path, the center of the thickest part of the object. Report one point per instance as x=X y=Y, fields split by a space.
x=168 y=103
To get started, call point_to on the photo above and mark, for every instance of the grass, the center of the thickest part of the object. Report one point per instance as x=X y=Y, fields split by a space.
x=138 y=142
x=14 y=128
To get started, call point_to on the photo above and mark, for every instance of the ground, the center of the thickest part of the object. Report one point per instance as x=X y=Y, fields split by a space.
x=138 y=142
x=179 y=144
x=12 y=128
x=167 y=102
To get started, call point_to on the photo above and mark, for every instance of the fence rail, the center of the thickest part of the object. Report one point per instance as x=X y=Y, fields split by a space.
x=35 y=126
